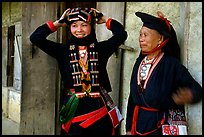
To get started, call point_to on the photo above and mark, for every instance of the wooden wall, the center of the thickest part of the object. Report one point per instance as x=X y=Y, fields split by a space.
x=38 y=99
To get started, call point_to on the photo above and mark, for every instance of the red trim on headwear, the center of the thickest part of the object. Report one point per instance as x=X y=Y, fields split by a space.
x=108 y=22
x=161 y=16
x=157 y=48
x=89 y=18
x=51 y=26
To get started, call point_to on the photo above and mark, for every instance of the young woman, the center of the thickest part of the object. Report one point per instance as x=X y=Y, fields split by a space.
x=82 y=63
x=159 y=82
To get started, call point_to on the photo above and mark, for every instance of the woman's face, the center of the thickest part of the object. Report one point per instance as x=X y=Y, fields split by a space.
x=80 y=29
x=149 y=39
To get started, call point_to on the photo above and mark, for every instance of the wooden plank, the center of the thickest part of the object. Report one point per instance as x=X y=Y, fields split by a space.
x=39 y=74
x=4 y=55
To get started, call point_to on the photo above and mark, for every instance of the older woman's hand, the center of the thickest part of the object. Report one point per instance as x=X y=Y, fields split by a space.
x=182 y=96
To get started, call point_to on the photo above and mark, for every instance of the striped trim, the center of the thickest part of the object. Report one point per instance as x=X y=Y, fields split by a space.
x=82 y=18
x=79 y=15
x=73 y=19
x=76 y=12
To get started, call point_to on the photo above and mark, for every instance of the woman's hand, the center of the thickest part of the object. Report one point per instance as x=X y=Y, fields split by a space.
x=182 y=96
x=99 y=16
x=57 y=24
x=103 y=19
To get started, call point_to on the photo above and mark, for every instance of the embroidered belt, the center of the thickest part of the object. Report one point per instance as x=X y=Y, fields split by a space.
x=135 y=118
x=83 y=94
x=91 y=94
x=87 y=119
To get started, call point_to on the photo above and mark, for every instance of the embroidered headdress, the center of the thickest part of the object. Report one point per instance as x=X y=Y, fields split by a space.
x=85 y=14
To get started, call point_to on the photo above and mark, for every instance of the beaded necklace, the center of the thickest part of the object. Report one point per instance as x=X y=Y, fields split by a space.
x=145 y=70
x=85 y=75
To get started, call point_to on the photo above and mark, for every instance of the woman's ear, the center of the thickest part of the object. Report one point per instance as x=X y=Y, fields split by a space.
x=161 y=39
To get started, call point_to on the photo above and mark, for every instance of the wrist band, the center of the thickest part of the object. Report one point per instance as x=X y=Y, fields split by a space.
x=108 y=22
x=51 y=26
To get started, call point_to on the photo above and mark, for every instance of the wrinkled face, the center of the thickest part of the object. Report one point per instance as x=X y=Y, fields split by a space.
x=149 y=39
x=80 y=29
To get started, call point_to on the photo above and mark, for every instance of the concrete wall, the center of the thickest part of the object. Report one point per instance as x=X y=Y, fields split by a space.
x=186 y=18
x=194 y=62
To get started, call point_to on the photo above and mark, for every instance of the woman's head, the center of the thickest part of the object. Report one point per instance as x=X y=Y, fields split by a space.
x=161 y=35
x=160 y=24
x=81 y=21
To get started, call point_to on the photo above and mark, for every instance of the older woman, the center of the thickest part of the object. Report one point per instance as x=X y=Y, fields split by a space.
x=82 y=63
x=159 y=82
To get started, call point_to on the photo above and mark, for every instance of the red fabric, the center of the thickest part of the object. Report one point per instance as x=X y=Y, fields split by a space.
x=94 y=118
x=134 y=120
x=135 y=117
x=113 y=131
x=66 y=126
x=114 y=117
x=51 y=26
x=108 y=22
x=149 y=109
x=161 y=16
x=86 y=116
x=89 y=118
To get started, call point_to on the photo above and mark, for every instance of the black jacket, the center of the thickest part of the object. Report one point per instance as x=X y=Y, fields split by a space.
x=168 y=75
x=60 y=51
